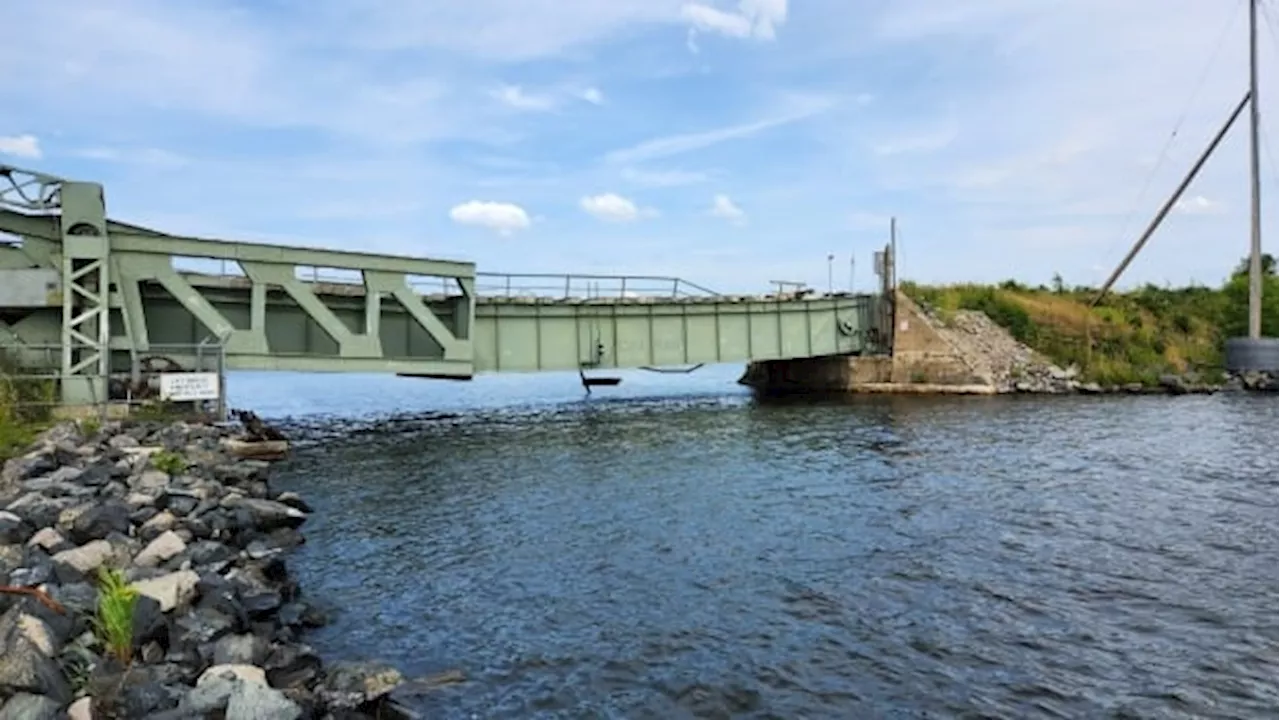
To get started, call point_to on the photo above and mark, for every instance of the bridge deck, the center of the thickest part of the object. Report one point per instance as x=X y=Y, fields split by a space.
x=528 y=333
x=106 y=293
x=508 y=334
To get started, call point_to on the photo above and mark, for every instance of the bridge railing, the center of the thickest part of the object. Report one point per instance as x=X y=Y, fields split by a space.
x=189 y=376
x=492 y=284
x=232 y=269
x=566 y=286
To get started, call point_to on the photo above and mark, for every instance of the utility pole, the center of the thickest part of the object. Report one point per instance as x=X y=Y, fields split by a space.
x=831 y=278
x=1255 y=229
x=893 y=252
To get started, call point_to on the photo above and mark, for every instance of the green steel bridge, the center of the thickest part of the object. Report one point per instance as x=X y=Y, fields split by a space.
x=98 y=295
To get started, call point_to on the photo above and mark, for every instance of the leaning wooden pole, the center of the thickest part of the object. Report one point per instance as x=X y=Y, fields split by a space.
x=1173 y=199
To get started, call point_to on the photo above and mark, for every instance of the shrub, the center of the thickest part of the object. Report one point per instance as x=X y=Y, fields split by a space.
x=168 y=462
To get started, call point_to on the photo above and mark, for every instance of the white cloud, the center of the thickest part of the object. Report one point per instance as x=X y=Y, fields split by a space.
x=515 y=96
x=703 y=17
x=1199 y=205
x=612 y=207
x=519 y=98
x=22 y=146
x=754 y=18
x=723 y=207
x=505 y=218
x=676 y=144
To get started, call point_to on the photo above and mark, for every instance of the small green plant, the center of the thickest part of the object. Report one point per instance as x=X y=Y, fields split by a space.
x=114 y=623
x=169 y=462
x=90 y=426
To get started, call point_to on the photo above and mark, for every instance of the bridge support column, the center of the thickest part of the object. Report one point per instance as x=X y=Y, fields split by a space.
x=85 y=263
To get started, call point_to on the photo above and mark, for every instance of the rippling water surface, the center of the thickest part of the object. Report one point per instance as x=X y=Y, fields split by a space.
x=680 y=549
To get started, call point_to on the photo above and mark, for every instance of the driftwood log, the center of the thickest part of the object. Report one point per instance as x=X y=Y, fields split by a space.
x=41 y=596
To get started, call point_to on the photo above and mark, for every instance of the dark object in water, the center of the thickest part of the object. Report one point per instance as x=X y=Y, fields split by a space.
x=255 y=429
x=589 y=382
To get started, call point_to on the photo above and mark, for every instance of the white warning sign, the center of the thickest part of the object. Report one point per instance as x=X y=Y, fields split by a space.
x=185 y=387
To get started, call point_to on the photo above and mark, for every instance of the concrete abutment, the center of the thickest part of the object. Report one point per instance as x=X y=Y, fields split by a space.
x=923 y=359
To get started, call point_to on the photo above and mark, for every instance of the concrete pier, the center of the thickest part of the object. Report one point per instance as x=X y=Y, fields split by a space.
x=925 y=360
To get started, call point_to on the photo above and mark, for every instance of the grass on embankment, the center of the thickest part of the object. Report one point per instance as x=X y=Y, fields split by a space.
x=1136 y=336
x=25 y=409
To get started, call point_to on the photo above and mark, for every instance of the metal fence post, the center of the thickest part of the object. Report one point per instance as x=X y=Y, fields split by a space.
x=222 y=383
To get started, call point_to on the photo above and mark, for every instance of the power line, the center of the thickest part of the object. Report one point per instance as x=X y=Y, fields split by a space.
x=1182 y=117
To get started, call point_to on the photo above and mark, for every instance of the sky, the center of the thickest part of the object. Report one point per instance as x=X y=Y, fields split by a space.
x=730 y=143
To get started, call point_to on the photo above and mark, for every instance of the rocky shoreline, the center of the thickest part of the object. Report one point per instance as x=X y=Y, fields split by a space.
x=1051 y=380
x=217 y=623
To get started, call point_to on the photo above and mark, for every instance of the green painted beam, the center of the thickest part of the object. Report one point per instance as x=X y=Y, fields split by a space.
x=509 y=336
x=132 y=238
x=528 y=337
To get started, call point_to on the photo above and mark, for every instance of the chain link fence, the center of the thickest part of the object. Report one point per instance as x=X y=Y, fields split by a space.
x=167 y=380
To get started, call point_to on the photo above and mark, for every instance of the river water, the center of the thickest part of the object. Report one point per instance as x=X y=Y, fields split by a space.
x=674 y=547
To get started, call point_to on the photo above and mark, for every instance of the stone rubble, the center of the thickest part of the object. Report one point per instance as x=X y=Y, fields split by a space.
x=1012 y=367
x=218 y=624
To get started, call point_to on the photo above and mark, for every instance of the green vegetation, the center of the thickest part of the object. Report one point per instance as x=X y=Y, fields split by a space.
x=160 y=411
x=1133 y=336
x=26 y=406
x=114 y=622
x=168 y=462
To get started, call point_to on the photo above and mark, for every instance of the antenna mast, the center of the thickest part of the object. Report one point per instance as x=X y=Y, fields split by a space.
x=1255 y=229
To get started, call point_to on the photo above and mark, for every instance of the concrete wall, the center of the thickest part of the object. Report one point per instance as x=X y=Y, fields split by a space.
x=923 y=355
x=923 y=360
x=820 y=374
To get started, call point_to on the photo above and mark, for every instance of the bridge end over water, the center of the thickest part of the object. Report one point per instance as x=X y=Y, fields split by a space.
x=921 y=359
x=95 y=307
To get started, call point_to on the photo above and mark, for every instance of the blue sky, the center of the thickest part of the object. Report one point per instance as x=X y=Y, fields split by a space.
x=730 y=143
